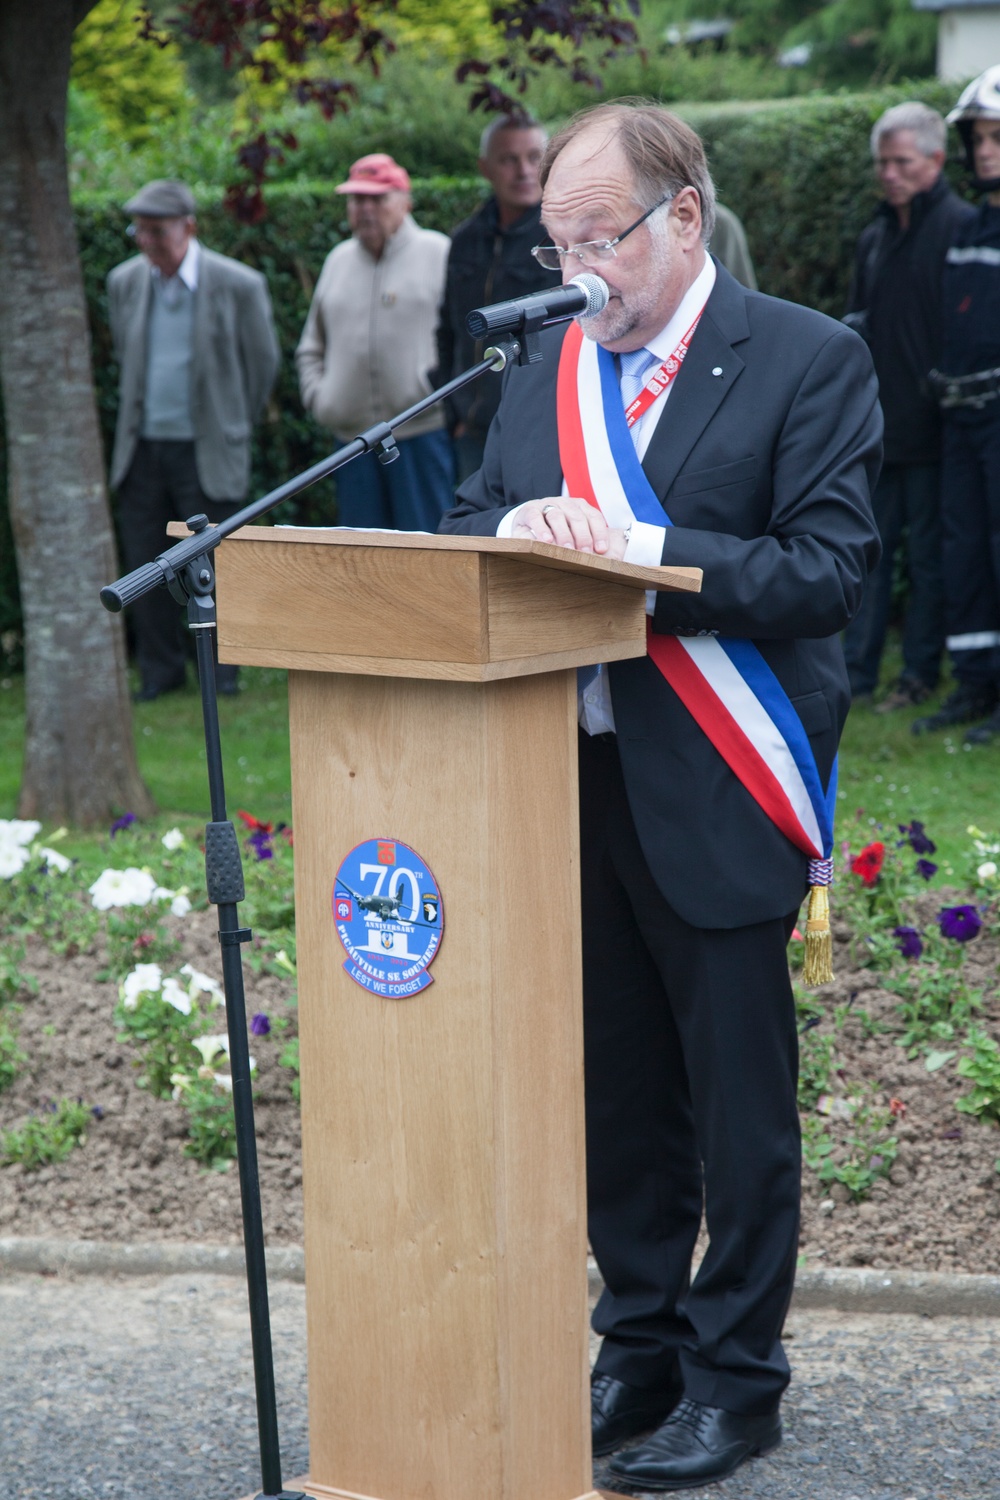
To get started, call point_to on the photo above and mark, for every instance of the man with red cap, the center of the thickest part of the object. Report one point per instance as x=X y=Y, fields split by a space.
x=368 y=345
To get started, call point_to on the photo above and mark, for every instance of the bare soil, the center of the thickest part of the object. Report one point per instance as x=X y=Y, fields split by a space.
x=938 y=1211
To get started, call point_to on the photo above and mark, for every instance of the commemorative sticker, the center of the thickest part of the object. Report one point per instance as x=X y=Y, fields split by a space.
x=388 y=915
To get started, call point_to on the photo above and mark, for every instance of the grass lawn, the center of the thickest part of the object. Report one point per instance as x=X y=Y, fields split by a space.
x=170 y=749
x=887 y=775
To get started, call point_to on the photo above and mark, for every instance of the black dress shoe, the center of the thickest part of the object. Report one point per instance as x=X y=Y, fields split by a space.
x=619 y=1411
x=695 y=1445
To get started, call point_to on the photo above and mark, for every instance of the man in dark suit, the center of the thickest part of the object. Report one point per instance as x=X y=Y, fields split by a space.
x=197 y=356
x=762 y=449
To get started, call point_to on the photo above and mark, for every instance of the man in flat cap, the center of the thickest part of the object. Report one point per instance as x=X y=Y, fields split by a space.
x=197 y=356
x=368 y=345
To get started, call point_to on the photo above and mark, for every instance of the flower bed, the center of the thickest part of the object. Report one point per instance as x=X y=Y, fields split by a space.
x=116 y=1012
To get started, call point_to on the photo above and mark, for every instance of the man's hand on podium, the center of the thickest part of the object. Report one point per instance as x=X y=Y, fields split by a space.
x=566 y=521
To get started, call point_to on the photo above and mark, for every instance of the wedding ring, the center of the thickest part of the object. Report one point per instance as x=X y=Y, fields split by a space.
x=547 y=508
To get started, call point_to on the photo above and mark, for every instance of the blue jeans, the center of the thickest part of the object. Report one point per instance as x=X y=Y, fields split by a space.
x=410 y=494
x=906 y=496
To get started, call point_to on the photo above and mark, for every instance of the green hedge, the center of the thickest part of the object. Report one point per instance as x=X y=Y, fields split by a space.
x=797 y=171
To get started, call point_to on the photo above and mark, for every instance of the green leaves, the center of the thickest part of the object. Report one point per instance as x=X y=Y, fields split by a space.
x=47 y=1137
x=982 y=1069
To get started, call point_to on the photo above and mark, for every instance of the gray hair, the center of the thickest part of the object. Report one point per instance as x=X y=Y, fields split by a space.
x=506 y=122
x=929 y=129
x=664 y=153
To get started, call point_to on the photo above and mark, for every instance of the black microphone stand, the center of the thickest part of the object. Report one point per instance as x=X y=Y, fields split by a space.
x=188 y=573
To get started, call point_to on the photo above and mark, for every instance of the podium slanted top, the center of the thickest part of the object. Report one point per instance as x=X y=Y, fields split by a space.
x=414 y=604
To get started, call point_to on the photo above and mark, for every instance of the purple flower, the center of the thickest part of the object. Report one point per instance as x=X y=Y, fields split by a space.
x=260 y=842
x=120 y=824
x=913 y=834
x=959 y=922
x=926 y=868
x=260 y=1025
x=908 y=941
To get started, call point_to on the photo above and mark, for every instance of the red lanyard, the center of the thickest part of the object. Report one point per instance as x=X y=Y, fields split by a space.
x=661 y=378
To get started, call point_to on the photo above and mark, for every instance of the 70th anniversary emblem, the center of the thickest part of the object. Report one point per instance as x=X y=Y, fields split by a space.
x=388 y=914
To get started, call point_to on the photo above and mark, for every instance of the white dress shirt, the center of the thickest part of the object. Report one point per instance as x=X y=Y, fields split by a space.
x=645 y=543
x=187 y=272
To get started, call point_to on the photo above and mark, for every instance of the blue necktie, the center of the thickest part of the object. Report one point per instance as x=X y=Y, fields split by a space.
x=635 y=370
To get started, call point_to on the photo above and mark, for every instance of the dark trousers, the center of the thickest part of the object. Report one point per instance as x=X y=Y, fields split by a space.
x=410 y=494
x=162 y=486
x=970 y=513
x=907 y=497
x=691 y=1057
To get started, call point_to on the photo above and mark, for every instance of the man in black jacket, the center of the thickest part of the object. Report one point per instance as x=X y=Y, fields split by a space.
x=969 y=387
x=752 y=427
x=490 y=261
x=895 y=302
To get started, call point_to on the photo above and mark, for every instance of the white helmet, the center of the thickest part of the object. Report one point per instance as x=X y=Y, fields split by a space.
x=980 y=101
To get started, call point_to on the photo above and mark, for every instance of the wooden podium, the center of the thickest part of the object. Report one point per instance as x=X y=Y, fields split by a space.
x=432 y=700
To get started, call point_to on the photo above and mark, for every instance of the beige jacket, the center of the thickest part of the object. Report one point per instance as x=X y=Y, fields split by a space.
x=235 y=360
x=369 y=339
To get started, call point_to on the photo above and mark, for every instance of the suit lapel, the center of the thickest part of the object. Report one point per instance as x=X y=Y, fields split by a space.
x=134 y=356
x=202 y=302
x=698 y=391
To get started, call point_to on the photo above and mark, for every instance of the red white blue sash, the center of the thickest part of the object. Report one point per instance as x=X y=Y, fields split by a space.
x=724 y=682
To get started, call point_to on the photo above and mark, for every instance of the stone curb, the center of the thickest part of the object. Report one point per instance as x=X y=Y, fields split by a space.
x=931 y=1293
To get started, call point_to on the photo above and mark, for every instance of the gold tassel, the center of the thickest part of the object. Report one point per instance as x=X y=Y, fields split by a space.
x=817 y=967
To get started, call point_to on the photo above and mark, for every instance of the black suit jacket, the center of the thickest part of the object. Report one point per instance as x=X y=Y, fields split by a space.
x=764 y=458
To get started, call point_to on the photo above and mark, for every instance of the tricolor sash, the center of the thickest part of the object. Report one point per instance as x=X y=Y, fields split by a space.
x=725 y=683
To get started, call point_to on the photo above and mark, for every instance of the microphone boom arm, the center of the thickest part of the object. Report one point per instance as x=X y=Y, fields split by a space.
x=169 y=566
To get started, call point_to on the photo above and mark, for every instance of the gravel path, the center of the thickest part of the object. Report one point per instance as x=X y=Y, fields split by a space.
x=140 y=1388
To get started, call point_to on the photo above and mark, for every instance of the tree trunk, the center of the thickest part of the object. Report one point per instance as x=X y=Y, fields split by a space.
x=79 y=764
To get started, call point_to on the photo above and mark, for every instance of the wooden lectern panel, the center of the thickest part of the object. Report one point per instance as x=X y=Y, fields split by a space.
x=406 y=605
x=443 y=1143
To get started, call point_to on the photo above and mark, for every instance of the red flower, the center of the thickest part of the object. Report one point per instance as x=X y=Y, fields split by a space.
x=255 y=823
x=868 y=864
x=897 y=1108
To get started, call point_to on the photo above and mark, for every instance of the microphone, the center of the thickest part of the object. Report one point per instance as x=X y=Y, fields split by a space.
x=585 y=294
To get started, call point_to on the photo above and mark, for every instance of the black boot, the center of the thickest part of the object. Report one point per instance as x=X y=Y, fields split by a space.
x=969 y=701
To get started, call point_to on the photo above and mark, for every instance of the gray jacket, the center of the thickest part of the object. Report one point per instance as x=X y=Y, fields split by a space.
x=235 y=361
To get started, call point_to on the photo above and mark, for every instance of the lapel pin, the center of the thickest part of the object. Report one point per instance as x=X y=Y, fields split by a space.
x=717 y=370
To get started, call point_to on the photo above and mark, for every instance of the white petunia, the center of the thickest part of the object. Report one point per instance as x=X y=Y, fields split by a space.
x=144 y=979
x=129 y=887
x=203 y=984
x=224 y=1081
x=12 y=860
x=177 y=996
x=18 y=831
x=210 y=1047
x=173 y=839
x=55 y=860
x=987 y=871
x=180 y=905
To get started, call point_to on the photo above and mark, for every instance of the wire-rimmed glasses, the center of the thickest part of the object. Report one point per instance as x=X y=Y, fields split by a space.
x=552 y=257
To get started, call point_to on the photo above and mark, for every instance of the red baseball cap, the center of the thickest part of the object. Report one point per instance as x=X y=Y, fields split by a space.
x=377 y=173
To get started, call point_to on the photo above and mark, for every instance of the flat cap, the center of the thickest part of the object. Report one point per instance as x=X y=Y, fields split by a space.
x=162 y=199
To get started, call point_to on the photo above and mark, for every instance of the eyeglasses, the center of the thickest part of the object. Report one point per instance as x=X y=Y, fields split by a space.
x=551 y=257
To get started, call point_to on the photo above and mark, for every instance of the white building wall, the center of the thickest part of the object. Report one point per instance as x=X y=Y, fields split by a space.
x=968 y=42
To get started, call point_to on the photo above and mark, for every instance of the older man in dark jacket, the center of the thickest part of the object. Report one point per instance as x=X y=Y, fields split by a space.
x=491 y=261
x=895 y=302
